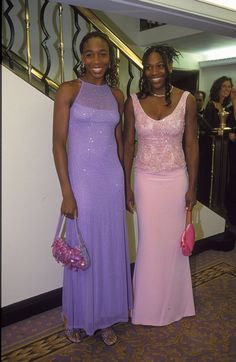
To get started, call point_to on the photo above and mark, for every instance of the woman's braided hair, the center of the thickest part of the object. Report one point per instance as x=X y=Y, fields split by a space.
x=168 y=55
x=111 y=75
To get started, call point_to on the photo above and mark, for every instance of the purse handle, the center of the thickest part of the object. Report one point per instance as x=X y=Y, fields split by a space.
x=61 y=222
x=188 y=214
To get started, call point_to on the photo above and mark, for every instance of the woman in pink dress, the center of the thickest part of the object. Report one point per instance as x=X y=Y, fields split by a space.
x=165 y=174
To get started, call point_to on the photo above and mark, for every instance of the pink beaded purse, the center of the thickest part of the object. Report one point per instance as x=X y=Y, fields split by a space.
x=188 y=236
x=76 y=258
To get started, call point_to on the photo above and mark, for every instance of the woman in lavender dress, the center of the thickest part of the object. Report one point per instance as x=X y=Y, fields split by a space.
x=87 y=115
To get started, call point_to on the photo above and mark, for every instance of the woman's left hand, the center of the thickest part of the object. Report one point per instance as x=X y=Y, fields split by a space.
x=232 y=137
x=190 y=199
x=233 y=94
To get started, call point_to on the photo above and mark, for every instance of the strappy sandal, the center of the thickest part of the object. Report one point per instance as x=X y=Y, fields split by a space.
x=108 y=336
x=75 y=335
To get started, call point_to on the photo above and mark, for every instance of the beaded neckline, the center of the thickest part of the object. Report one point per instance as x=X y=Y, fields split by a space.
x=161 y=95
x=168 y=115
x=93 y=84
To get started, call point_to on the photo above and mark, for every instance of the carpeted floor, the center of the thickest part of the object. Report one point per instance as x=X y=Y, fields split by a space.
x=209 y=336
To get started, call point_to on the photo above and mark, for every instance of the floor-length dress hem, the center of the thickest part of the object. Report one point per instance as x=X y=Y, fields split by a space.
x=103 y=326
x=151 y=324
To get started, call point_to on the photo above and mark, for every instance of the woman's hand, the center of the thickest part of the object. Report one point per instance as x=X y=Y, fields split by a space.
x=191 y=199
x=130 y=201
x=232 y=137
x=69 y=206
x=233 y=94
x=233 y=99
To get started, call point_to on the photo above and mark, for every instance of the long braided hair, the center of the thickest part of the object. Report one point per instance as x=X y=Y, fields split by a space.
x=111 y=75
x=168 y=55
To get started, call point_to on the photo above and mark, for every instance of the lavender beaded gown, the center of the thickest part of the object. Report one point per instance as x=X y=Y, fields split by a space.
x=101 y=295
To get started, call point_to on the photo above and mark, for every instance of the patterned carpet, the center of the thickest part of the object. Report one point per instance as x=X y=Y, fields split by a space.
x=209 y=336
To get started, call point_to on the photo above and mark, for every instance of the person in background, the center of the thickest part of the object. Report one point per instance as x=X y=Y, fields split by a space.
x=165 y=179
x=231 y=187
x=87 y=114
x=219 y=99
x=223 y=97
x=205 y=144
x=200 y=97
x=203 y=126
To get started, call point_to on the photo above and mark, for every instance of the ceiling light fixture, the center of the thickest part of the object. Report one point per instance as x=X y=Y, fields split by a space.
x=221 y=53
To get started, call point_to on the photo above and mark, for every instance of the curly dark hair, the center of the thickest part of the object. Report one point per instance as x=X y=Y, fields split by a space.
x=215 y=90
x=168 y=54
x=111 y=75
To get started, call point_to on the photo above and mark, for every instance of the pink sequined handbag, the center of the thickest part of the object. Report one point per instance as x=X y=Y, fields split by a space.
x=76 y=258
x=188 y=236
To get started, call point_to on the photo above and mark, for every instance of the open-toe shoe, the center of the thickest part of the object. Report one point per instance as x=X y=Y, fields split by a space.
x=108 y=336
x=75 y=335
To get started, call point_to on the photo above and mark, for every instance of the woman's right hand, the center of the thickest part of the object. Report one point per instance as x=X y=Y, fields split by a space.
x=232 y=137
x=130 y=201
x=69 y=206
x=233 y=94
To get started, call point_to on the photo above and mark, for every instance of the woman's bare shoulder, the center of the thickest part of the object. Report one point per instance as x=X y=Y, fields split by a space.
x=177 y=93
x=117 y=92
x=70 y=86
x=119 y=96
x=68 y=90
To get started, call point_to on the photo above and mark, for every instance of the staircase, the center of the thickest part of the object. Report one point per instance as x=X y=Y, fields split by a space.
x=40 y=44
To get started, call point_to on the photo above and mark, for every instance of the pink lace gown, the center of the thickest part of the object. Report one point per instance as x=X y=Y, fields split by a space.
x=162 y=280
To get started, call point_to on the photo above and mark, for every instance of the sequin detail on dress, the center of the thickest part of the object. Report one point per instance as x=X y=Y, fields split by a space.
x=101 y=295
x=160 y=142
x=162 y=281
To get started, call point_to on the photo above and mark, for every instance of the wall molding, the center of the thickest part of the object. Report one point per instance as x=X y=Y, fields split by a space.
x=216 y=62
x=31 y=306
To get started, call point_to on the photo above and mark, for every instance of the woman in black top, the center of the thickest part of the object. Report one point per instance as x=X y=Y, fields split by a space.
x=231 y=188
x=223 y=96
x=219 y=99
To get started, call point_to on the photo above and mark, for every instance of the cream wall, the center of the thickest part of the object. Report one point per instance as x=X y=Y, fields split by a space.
x=30 y=192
